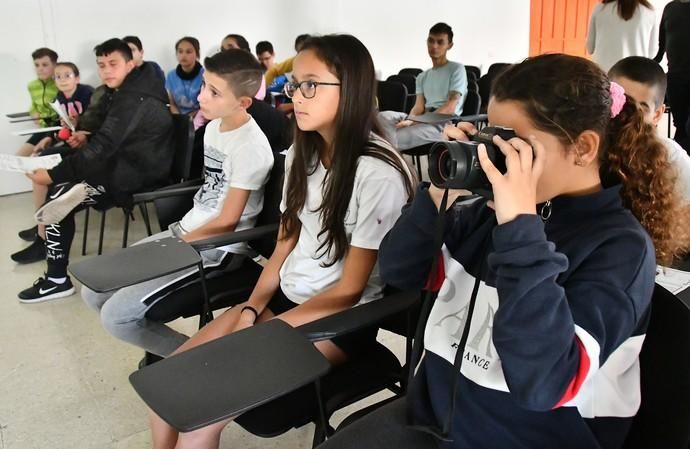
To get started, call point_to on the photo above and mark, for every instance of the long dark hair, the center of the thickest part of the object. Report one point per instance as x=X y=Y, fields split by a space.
x=578 y=98
x=627 y=8
x=349 y=60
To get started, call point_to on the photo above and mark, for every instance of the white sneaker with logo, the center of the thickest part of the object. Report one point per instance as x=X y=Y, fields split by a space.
x=61 y=203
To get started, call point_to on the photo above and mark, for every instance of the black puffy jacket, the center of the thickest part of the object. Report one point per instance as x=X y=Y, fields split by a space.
x=133 y=149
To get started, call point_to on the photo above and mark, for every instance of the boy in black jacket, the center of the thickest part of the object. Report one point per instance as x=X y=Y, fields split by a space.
x=132 y=151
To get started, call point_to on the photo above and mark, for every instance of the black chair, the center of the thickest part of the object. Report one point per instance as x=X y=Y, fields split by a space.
x=473 y=71
x=497 y=68
x=410 y=84
x=410 y=71
x=663 y=420
x=473 y=86
x=392 y=96
x=183 y=139
x=268 y=409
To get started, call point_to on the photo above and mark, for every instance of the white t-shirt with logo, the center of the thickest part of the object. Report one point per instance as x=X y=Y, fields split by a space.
x=680 y=161
x=377 y=199
x=242 y=159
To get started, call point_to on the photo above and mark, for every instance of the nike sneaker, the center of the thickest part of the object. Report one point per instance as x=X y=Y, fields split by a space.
x=44 y=290
x=32 y=253
x=63 y=201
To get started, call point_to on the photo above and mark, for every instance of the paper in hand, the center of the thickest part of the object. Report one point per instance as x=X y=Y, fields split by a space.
x=57 y=107
x=23 y=164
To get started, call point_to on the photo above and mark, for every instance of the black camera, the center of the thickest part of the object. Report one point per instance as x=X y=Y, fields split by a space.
x=455 y=165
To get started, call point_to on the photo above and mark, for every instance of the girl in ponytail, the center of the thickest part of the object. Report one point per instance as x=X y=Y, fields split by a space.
x=544 y=292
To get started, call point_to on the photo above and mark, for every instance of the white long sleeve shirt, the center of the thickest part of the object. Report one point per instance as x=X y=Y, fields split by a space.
x=611 y=38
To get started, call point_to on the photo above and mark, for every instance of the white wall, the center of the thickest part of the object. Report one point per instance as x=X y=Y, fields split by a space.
x=394 y=31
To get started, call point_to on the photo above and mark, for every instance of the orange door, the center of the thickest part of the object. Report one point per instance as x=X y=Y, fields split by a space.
x=559 y=26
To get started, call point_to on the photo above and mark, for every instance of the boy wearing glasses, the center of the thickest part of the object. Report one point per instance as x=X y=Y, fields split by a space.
x=72 y=96
x=42 y=91
x=441 y=89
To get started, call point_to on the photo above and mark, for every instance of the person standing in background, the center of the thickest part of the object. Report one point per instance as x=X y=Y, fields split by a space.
x=621 y=28
x=674 y=40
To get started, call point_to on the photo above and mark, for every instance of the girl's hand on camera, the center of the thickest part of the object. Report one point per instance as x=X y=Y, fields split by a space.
x=515 y=192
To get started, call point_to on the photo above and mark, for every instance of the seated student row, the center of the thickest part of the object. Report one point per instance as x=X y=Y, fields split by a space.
x=586 y=169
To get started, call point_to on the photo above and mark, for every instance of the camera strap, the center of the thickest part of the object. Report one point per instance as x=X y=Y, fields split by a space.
x=441 y=434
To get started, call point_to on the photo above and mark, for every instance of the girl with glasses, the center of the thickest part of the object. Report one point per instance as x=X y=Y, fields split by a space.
x=344 y=189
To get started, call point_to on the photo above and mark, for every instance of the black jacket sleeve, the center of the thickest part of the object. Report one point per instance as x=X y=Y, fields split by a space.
x=122 y=118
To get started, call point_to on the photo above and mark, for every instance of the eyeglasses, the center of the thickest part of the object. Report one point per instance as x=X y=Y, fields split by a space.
x=66 y=76
x=308 y=88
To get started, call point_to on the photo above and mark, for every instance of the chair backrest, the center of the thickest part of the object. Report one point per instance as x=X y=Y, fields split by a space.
x=171 y=209
x=474 y=70
x=473 y=86
x=473 y=103
x=392 y=96
x=410 y=83
x=495 y=69
x=410 y=71
x=663 y=420
x=270 y=214
x=183 y=139
x=484 y=85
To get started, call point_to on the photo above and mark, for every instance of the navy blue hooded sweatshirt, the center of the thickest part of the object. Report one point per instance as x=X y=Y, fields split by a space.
x=551 y=359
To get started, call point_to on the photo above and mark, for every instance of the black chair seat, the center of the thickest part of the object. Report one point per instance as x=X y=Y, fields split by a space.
x=369 y=373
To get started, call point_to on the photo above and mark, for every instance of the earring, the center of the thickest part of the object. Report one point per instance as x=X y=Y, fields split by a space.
x=578 y=160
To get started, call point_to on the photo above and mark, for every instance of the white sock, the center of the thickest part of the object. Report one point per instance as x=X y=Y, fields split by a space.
x=58 y=280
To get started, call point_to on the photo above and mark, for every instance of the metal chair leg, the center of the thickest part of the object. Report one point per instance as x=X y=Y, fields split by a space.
x=86 y=231
x=100 y=236
x=323 y=429
x=145 y=215
x=207 y=314
x=418 y=163
x=125 y=231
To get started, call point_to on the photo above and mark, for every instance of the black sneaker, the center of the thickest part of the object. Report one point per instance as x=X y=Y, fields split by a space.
x=29 y=234
x=45 y=290
x=32 y=253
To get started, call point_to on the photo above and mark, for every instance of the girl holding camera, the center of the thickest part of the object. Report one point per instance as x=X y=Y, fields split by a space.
x=551 y=280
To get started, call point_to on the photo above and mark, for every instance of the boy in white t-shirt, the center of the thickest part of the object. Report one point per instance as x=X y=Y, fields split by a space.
x=238 y=161
x=644 y=80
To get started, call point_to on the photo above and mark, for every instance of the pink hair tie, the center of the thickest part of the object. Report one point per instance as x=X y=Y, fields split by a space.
x=618 y=99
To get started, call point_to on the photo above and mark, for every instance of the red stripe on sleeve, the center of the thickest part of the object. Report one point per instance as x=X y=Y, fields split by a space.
x=579 y=378
x=434 y=283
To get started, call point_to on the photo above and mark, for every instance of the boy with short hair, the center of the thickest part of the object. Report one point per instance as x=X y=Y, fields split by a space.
x=43 y=91
x=644 y=80
x=238 y=161
x=138 y=55
x=266 y=56
x=440 y=89
x=132 y=151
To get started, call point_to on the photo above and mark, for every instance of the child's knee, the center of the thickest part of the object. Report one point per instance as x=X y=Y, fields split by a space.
x=93 y=299
x=119 y=314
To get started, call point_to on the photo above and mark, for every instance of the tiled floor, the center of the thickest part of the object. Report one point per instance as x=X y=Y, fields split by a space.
x=63 y=379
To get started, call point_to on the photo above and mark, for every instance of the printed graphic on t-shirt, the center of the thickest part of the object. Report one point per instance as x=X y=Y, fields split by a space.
x=211 y=193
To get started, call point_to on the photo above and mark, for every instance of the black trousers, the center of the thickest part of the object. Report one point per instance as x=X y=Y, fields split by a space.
x=59 y=236
x=679 y=99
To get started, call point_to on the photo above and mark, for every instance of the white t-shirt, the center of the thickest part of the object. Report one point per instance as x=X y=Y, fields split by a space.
x=610 y=38
x=377 y=199
x=680 y=161
x=241 y=158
